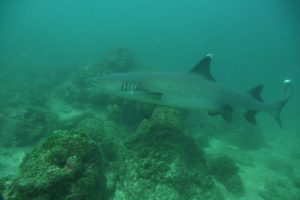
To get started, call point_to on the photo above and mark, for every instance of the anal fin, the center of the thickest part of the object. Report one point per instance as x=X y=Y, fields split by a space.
x=250 y=116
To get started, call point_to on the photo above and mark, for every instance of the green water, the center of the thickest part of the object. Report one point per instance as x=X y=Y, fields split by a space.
x=44 y=43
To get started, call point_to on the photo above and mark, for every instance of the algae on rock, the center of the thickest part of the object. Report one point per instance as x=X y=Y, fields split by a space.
x=26 y=126
x=161 y=162
x=225 y=171
x=67 y=166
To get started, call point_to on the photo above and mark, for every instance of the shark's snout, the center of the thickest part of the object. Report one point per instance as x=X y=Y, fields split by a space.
x=92 y=80
x=106 y=83
x=100 y=81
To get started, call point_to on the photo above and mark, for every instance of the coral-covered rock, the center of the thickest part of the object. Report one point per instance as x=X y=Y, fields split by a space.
x=108 y=137
x=66 y=166
x=277 y=188
x=116 y=60
x=129 y=113
x=26 y=126
x=105 y=133
x=296 y=182
x=163 y=118
x=225 y=171
x=161 y=162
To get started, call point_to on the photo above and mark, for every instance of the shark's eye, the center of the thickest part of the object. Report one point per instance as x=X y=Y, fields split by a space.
x=129 y=86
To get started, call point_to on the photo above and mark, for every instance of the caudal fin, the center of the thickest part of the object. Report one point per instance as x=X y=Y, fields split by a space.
x=279 y=105
x=276 y=113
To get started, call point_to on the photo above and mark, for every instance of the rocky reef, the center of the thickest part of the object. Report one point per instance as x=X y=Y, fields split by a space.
x=66 y=166
x=276 y=188
x=23 y=126
x=225 y=171
x=82 y=144
x=161 y=162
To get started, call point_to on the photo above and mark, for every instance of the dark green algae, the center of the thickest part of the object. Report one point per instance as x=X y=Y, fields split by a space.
x=66 y=166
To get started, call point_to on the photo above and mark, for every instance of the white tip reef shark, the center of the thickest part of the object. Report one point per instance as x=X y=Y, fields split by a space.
x=196 y=89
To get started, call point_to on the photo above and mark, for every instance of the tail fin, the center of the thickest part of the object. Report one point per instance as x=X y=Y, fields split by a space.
x=276 y=113
x=279 y=105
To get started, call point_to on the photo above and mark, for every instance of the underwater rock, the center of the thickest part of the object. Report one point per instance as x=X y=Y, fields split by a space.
x=279 y=165
x=2 y=187
x=116 y=60
x=104 y=133
x=108 y=137
x=114 y=112
x=225 y=171
x=71 y=91
x=26 y=126
x=65 y=166
x=10 y=161
x=161 y=162
x=297 y=182
x=163 y=118
x=276 y=188
x=119 y=113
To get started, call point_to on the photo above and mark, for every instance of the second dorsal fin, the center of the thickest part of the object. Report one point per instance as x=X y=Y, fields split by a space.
x=203 y=68
x=255 y=92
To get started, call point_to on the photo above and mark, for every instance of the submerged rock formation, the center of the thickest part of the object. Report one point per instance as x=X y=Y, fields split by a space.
x=161 y=162
x=225 y=171
x=66 y=166
x=25 y=126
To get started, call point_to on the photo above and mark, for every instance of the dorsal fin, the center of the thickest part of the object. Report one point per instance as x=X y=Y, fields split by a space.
x=203 y=68
x=255 y=92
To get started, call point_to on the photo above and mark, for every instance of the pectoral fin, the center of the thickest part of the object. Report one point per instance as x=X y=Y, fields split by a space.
x=151 y=95
x=226 y=112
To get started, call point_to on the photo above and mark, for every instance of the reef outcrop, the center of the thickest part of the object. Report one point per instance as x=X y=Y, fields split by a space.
x=66 y=166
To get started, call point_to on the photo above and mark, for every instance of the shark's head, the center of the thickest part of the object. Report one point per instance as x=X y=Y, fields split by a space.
x=108 y=83
x=116 y=84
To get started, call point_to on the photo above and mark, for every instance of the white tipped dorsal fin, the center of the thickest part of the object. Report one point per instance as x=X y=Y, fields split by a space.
x=210 y=55
x=203 y=68
x=256 y=91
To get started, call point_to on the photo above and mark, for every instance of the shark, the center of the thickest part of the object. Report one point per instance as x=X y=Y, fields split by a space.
x=193 y=90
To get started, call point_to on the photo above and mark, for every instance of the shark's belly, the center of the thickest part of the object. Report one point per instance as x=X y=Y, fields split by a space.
x=190 y=102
